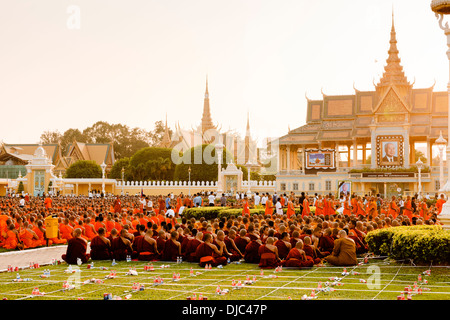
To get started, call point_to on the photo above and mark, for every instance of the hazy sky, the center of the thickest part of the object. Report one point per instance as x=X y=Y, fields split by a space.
x=131 y=61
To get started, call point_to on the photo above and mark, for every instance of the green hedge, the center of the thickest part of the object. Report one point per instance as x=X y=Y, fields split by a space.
x=422 y=244
x=210 y=213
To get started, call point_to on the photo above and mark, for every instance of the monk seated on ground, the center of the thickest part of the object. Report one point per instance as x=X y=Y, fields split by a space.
x=344 y=251
x=208 y=253
x=172 y=248
x=297 y=257
x=268 y=253
x=191 y=246
x=121 y=246
x=100 y=246
x=76 y=248
x=326 y=243
x=284 y=245
x=310 y=251
x=148 y=250
x=232 y=248
x=251 y=254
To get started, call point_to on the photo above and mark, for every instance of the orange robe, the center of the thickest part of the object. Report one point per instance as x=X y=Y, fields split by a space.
x=393 y=209
x=28 y=239
x=439 y=204
x=306 y=211
x=246 y=209
x=319 y=207
x=11 y=240
x=408 y=210
x=66 y=231
x=290 y=209
x=269 y=208
x=347 y=211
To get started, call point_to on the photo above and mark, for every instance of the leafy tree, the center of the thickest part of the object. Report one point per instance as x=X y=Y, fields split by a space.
x=84 y=169
x=206 y=169
x=152 y=163
x=48 y=137
x=116 y=170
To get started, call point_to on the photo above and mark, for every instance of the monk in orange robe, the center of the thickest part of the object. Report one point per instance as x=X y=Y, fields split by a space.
x=268 y=254
x=117 y=205
x=290 y=208
x=326 y=206
x=305 y=211
x=439 y=203
x=242 y=240
x=361 y=210
x=191 y=246
x=309 y=250
x=296 y=257
x=347 y=210
x=48 y=202
x=269 y=207
x=319 y=206
x=121 y=246
x=423 y=210
x=408 y=210
x=89 y=229
x=326 y=243
x=393 y=208
x=12 y=240
x=354 y=204
x=100 y=246
x=246 y=208
x=283 y=245
x=208 y=253
x=148 y=250
x=231 y=246
x=76 y=248
x=66 y=230
x=29 y=237
x=251 y=253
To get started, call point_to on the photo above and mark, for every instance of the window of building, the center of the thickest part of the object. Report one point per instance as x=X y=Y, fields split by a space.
x=295 y=186
x=437 y=185
x=283 y=187
x=311 y=187
x=328 y=185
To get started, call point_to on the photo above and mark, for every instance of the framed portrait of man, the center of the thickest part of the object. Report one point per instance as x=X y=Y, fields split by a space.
x=345 y=187
x=390 y=151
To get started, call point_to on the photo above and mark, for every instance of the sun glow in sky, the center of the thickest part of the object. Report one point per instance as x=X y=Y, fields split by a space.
x=133 y=61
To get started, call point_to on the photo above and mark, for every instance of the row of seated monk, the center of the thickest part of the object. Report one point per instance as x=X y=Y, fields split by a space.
x=291 y=249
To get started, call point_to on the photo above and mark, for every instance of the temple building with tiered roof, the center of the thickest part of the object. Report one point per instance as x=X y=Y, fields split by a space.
x=349 y=139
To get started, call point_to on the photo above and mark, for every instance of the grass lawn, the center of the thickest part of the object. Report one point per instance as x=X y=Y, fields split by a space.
x=381 y=280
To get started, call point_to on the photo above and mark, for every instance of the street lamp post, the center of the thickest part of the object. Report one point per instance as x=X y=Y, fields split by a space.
x=103 y=166
x=441 y=143
x=123 y=173
x=249 y=165
x=419 y=165
x=189 y=171
x=219 y=151
x=441 y=8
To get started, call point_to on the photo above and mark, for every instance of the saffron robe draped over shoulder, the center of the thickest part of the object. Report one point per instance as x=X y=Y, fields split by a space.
x=100 y=250
x=76 y=248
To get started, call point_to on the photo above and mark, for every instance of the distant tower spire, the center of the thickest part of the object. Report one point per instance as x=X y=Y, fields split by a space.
x=166 y=140
x=247 y=140
x=393 y=71
x=207 y=123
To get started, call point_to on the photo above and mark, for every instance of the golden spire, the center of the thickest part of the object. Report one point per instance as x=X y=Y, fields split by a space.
x=207 y=123
x=166 y=141
x=393 y=71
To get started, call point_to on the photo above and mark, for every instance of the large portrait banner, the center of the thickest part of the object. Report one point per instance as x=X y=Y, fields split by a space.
x=389 y=151
x=320 y=159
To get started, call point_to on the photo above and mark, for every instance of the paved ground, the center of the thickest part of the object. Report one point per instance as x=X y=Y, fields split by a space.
x=43 y=255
